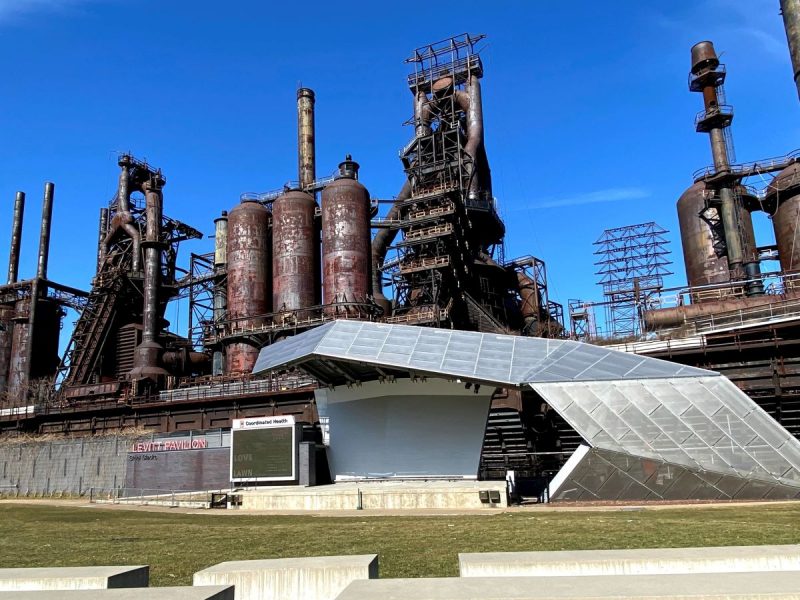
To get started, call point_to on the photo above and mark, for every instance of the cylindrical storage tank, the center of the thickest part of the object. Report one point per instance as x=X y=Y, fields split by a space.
x=784 y=194
x=46 y=333
x=18 y=365
x=249 y=288
x=702 y=238
x=6 y=333
x=295 y=253
x=346 y=241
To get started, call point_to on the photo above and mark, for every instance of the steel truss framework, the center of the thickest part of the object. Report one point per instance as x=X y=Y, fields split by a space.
x=632 y=263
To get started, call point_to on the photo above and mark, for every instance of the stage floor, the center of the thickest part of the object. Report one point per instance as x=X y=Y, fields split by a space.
x=378 y=495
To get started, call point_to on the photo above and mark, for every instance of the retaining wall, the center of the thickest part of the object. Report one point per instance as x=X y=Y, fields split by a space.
x=70 y=467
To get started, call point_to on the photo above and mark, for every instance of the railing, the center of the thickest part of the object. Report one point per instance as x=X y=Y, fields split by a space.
x=288 y=320
x=721 y=110
x=152 y=497
x=759 y=166
x=270 y=196
x=240 y=388
x=748 y=316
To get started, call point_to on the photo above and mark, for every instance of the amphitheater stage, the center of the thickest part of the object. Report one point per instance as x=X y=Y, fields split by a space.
x=378 y=495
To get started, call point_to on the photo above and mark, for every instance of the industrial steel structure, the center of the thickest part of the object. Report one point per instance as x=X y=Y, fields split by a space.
x=319 y=249
x=283 y=262
x=632 y=263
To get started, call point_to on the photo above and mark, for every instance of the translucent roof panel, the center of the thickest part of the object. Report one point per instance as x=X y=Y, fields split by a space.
x=704 y=424
x=605 y=475
x=494 y=358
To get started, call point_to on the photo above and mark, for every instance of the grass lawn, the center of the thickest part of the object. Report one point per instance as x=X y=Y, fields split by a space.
x=177 y=545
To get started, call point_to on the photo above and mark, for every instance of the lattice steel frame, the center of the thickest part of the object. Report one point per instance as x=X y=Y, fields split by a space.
x=632 y=263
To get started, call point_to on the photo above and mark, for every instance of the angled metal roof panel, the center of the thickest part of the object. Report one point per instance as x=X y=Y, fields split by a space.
x=501 y=359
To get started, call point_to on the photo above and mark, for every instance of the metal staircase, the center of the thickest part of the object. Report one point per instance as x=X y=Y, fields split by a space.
x=83 y=352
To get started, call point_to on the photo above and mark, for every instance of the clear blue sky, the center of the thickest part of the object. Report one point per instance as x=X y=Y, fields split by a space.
x=589 y=123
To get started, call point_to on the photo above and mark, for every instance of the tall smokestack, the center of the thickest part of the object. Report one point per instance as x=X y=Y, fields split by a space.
x=790 y=9
x=16 y=237
x=306 y=159
x=707 y=76
x=44 y=235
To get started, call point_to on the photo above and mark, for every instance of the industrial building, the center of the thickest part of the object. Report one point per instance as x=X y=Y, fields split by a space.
x=318 y=257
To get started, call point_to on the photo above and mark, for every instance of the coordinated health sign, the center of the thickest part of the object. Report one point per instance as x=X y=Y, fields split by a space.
x=264 y=449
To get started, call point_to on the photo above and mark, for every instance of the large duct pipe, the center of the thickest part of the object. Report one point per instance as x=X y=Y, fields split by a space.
x=44 y=234
x=422 y=114
x=790 y=9
x=148 y=354
x=123 y=219
x=529 y=300
x=220 y=297
x=102 y=229
x=474 y=134
x=667 y=318
x=16 y=237
x=305 y=138
x=380 y=245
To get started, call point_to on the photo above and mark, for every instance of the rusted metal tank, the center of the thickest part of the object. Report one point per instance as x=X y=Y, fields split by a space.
x=529 y=299
x=249 y=278
x=28 y=364
x=702 y=238
x=295 y=252
x=345 y=238
x=784 y=193
x=6 y=333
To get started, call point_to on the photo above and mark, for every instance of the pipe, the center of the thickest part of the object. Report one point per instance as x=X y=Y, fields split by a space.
x=44 y=234
x=676 y=316
x=153 y=207
x=220 y=297
x=101 y=235
x=306 y=156
x=16 y=237
x=474 y=133
x=123 y=219
x=529 y=299
x=221 y=240
x=380 y=245
x=148 y=354
x=422 y=115
x=790 y=9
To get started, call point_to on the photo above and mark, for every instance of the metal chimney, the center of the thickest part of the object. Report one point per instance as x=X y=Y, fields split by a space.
x=44 y=235
x=790 y=9
x=305 y=138
x=16 y=237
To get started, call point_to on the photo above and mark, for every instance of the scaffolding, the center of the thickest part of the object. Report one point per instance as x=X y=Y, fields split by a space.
x=632 y=263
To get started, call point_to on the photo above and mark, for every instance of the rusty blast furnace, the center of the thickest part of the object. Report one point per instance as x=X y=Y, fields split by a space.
x=283 y=262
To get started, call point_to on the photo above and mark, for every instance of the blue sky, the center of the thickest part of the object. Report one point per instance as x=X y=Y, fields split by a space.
x=589 y=123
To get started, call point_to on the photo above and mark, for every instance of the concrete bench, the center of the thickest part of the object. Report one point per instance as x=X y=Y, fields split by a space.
x=74 y=578
x=695 y=586
x=651 y=561
x=213 y=592
x=313 y=578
